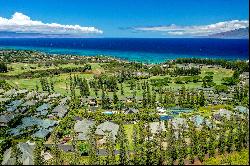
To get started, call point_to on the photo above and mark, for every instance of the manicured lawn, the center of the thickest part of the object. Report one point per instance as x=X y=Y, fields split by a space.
x=18 y=68
x=60 y=84
x=219 y=73
x=61 y=80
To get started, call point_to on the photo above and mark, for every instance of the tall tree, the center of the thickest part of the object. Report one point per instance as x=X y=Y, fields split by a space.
x=93 y=158
x=76 y=157
x=121 y=89
x=110 y=149
x=38 y=159
x=123 y=146
x=57 y=158
x=135 y=145
x=115 y=97
x=3 y=67
x=201 y=98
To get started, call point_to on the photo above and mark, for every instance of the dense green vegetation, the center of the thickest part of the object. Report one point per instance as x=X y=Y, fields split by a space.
x=98 y=84
x=3 y=67
x=235 y=158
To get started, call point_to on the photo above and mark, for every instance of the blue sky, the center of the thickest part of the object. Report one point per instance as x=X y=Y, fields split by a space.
x=127 y=18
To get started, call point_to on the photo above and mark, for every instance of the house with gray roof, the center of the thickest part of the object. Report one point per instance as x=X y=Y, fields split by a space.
x=5 y=119
x=141 y=74
x=7 y=159
x=42 y=95
x=13 y=105
x=242 y=109
x=63 y=147
x=60 y=111
x=222 y=113
x=82 y=128
x=177 y=122
x=30 y=95
x=131 y=111
x=107 y=127
x=64 y=101
x=43 y=109
x=198 y=120
x=156 y=127
x=10 y=93
x=3 y=100
x=29 y=103
x=27 y=154
x=42 y=133
x=27 y=150
x=32 y=121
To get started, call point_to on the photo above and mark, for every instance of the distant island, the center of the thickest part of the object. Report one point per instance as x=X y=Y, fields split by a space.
x=241 y=33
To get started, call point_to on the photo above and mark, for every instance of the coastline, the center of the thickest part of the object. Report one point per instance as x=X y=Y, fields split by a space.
x=149 y=51
x=49 y=51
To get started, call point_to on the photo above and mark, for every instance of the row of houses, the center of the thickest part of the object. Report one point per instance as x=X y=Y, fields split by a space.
x=40 y=120
x=215 y=98
x=82 y=126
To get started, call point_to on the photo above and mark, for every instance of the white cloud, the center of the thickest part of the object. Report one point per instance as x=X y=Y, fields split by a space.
x=23 y=24
x=198 y=30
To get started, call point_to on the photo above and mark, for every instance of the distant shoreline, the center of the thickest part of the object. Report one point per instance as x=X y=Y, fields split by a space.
x=150 y=51
x=109 y=56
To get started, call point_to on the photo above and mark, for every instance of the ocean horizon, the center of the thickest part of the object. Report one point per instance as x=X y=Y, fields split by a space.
x=146 y=50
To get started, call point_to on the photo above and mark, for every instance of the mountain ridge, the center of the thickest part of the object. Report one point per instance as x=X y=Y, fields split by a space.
x=241 y=33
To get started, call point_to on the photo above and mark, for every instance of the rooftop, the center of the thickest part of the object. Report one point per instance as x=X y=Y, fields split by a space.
x=107 y=127
x=82 y=127
x=155 y=127
x=60 y=110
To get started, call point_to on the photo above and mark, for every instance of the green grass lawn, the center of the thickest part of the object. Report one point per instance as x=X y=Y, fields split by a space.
x=19 y=68
x=61 y=80
x=219 y=73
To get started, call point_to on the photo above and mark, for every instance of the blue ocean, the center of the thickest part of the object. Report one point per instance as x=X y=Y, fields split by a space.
x=147 y=50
